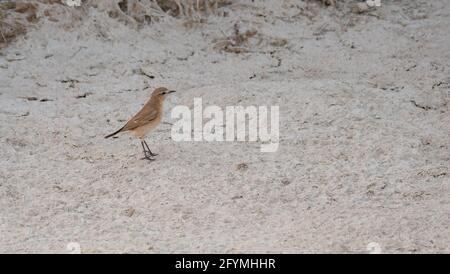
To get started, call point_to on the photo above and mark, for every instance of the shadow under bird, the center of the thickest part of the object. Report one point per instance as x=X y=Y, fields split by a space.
x=146 y=119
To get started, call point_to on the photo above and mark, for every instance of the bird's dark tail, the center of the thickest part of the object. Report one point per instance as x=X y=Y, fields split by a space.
x=112 y=134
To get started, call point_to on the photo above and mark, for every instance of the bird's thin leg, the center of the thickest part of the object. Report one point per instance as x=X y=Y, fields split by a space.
x=148 y=149
x=145 y=151
x=147 y=154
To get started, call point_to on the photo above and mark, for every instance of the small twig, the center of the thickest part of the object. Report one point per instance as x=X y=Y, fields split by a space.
x=76 y=52
x=84 y=95
x=3 y=36
x=142 y=72
x=420 y=106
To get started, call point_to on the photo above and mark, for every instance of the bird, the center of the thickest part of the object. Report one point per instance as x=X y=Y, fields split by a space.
x=146 y=120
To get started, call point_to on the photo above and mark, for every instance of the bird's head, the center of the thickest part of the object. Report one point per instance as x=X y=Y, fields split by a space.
x=161 y=93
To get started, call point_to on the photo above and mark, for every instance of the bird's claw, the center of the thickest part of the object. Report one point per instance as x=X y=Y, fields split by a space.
x=149 y=158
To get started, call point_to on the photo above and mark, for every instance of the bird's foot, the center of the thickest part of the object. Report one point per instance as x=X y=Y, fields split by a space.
x=147 y=152
x=149 y=155
x=149 y=158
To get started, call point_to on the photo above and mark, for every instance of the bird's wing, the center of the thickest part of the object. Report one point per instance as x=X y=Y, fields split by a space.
x=143 y=117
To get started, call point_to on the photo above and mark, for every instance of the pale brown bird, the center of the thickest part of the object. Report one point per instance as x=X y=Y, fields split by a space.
x=146 y=119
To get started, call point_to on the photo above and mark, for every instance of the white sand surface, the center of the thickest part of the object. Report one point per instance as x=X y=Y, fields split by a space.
x=364 y=149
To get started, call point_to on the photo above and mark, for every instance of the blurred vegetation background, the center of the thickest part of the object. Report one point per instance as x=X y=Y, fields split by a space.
x=16 y=17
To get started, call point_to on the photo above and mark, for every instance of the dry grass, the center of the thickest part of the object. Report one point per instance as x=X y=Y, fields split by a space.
x=13 y=20
x=140 y=11
x=17 y=16
x=235 y=43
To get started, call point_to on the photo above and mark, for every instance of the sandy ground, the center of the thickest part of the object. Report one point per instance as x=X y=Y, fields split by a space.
x=364 y=134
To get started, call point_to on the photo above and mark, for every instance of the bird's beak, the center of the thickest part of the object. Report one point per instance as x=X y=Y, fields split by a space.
x=171 y=91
